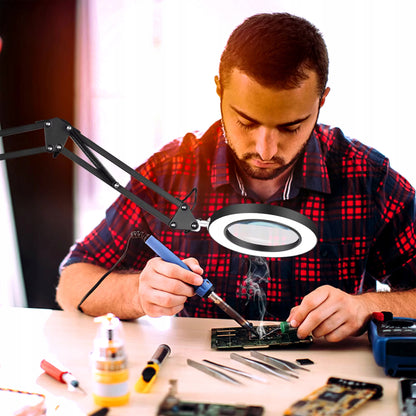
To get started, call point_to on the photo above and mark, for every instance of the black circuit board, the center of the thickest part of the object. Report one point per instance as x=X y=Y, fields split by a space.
x=240 y=338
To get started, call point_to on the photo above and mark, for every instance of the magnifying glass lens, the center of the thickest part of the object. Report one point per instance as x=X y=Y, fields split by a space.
x=263 y=233
x=263 y=230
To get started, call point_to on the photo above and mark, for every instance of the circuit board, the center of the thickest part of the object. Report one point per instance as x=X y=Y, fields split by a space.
x=173 y=406
x=210 y=409
x=338 y=397
x=240 y=338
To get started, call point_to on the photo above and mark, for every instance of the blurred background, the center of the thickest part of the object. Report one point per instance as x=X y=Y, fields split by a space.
x=134 y=74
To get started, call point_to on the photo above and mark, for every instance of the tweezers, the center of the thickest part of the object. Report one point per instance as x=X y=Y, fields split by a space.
x=265 y=368
x=212 y=372
x=288 y=365
x=239 y=372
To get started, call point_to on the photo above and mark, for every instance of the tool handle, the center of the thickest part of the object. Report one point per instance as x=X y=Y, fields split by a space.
x=52 y=371
x=161 y=250
x=161 y=353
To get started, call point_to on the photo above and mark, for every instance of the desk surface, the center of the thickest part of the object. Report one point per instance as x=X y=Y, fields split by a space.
x=30 y=335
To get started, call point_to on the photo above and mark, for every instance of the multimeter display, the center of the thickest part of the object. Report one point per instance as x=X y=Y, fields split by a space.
x=394 y=344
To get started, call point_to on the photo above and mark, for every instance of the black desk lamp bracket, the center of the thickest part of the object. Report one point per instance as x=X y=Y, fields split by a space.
x=57 y=132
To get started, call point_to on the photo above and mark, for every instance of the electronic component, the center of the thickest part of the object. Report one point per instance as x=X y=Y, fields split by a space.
x=393 y=342
x=407 y=396
x=172 y=406
x=304 y=361
x=270 y=336
x=338 y=397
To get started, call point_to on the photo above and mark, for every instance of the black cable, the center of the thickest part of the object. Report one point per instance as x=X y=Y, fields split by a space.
x=133 y=235
x=195 y=192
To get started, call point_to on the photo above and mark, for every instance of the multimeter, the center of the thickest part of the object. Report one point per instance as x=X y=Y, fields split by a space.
x=393 y=342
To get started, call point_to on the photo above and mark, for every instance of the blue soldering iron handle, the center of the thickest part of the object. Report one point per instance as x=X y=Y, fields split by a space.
x=163 y=252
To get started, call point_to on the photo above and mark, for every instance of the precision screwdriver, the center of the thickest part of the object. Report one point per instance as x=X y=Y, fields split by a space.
x=64 y=377
x=206 y=290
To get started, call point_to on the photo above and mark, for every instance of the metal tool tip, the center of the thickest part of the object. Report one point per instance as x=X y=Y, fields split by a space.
x=251 y=328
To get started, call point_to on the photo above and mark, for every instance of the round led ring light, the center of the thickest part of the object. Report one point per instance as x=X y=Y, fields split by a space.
x=263 y=230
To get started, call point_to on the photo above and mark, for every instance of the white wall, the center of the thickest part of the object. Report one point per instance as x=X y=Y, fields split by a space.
x=146 y=75
x=12 y=289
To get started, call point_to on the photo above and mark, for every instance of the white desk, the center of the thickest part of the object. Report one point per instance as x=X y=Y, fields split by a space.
x=30 y=335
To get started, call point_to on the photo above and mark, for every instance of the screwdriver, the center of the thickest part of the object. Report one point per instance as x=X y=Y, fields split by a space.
x=206 y=290
x=64 y=377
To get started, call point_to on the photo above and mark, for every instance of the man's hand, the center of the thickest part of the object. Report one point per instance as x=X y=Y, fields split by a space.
x=164 y=287
x=331 y=313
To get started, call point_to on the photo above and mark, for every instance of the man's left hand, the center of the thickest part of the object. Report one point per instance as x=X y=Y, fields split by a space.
x=331 y=313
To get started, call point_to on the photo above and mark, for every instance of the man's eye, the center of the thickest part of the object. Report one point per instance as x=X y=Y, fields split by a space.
x=292 y=130
x=245 y=126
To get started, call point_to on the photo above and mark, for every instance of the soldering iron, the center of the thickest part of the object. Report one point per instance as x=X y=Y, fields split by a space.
x=206 y=290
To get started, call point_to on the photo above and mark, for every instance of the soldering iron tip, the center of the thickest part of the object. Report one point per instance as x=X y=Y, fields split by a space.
x=251 y=328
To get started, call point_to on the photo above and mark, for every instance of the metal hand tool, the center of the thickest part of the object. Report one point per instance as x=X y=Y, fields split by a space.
x=265 y=368
x=275 y=362
x=239 y=372
x=212 y=372
x=270 y=359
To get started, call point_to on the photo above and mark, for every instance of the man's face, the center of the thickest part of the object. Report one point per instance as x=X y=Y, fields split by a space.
x=267 y=129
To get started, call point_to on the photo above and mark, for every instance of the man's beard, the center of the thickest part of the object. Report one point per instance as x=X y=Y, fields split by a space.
x=264 y=173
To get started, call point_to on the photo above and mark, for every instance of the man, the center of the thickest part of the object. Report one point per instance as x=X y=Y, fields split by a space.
x=267 y=148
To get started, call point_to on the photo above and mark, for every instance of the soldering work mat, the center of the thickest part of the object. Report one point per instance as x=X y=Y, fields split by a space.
x=241 y=338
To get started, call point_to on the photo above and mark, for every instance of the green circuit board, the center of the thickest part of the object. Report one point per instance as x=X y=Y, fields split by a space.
x=173 y=406
x=210 y=409
x=240 y=338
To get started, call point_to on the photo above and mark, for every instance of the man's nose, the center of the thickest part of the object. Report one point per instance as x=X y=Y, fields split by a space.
x=266 y=143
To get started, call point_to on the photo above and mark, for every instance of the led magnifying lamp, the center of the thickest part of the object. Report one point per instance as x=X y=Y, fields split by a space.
x=263 y=230
x=253 y=229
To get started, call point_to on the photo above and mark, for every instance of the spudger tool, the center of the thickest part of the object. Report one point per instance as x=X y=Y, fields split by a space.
x=265 y=368
x=212 y=372
x=206 y=290
x=64 y=377
x=236 y=371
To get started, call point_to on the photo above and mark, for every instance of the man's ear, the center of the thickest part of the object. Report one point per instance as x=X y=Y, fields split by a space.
x=218 y=84
x=324 y=95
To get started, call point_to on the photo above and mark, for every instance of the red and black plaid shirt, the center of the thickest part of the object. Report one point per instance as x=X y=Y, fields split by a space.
x=364 y=210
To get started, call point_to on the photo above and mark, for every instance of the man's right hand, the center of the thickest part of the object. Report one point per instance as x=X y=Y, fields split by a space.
x=164 y=287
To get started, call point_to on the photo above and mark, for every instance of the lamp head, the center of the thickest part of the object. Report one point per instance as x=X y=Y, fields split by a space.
x=263 y=230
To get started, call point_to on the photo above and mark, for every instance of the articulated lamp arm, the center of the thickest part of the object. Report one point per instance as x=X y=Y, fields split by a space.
x=57 y=132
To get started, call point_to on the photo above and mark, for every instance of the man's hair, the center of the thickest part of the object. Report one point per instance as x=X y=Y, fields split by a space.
x=276 y=50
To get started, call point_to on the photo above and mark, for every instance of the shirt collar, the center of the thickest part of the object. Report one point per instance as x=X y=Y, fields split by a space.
x=310 y=172
x=220 y=173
